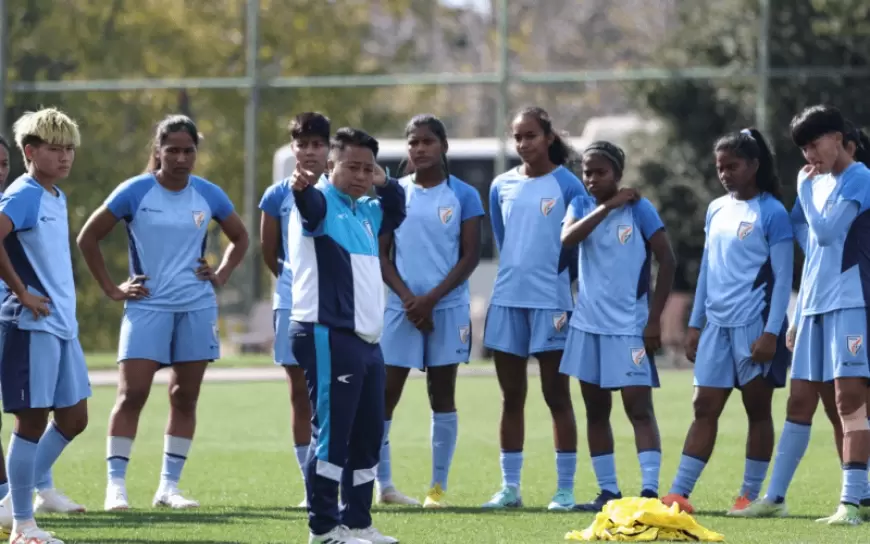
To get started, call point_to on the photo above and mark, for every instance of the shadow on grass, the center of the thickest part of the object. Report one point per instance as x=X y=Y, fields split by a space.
x=721 y=514
x=149 y=541
x=138 y=518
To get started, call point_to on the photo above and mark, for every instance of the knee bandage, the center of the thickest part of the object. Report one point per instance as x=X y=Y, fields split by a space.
x=856 y=421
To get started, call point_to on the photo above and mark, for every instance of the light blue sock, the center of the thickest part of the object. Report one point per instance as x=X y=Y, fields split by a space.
x=754 y=472
x=4 y=490
x=51 y=445
x=688 y=472
x=605 y=472
x=566 y=468
x=385 y=470
x=302 y=458
x=118 y=451
x=854 y=483
x=789 y=452
x=175 y=450
x=511 y=468
x=650 y=466
x=21 y=468
x=445 y=428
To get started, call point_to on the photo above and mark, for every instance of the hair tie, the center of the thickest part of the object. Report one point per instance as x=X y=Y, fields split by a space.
x=747 y=132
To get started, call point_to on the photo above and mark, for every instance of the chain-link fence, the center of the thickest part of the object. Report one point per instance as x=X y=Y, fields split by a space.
x=241 y=68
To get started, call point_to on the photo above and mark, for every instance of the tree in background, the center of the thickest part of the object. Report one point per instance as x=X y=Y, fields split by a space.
x=676 y=169
x=118 y=39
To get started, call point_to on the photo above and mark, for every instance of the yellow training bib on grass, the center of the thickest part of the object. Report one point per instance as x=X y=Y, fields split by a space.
x=643 y=520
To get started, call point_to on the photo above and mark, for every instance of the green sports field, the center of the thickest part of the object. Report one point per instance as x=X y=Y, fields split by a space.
x=243 y=471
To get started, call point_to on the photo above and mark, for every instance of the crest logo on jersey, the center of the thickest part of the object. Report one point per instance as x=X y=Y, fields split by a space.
x=744 y=230
x=559 y=321
x=464 y=334
x=547 y=205
x=369 y=230
x=829 y=205
x=855 y=343
x=638 y=355
x=624 y=232
x=445 y=213
x=198 y=218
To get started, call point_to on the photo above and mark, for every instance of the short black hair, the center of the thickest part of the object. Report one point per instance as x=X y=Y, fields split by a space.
x=309 y=123
x=749 y=144
x=814 y=122
x=5 y=144
x=353 y=137
x=861 y=141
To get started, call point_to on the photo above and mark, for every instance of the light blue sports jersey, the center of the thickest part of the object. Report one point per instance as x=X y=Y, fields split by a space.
x=739 y=271
x=613 y=274
x=334 y=257
x=834 y=270
x=526 y=215
x=278 y=202
x=427 y=244
x=39 y=250
x=168 y=233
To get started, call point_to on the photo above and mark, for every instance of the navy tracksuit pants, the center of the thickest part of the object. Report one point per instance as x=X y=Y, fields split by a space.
x=346 y=380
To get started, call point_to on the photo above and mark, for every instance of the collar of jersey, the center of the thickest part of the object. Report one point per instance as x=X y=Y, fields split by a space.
x=346 y=199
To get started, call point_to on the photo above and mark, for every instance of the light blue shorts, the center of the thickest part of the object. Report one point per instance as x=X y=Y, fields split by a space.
x=610 y=362
x=169 y=337
x=724 y=358
x=449 y=343
x=830 y=346
x=525 y=331
x=282 y=348
x=41 y=370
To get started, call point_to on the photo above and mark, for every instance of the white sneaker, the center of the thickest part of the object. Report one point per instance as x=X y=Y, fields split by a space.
x=172 y=498
x=116 y=496
x=32 y=535
x=6 y=514
x=391 y=495
x=52 y=501
x=373 y=535
x=339 y=535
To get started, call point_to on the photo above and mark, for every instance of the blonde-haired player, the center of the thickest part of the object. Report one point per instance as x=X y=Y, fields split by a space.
x=42 y=366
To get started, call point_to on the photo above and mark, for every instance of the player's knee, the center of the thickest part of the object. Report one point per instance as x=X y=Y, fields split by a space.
x=558 y=399
x=801 y=408
x=705 y=408
x=513 y=402
x=183 y=399
x=759 y=413
x=132 y=399
x=855 y=420
x=640 y=414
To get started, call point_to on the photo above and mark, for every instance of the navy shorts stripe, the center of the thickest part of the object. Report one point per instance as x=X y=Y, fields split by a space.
x=15 y=368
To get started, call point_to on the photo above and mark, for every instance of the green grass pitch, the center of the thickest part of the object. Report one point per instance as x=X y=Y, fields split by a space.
x=243 y=471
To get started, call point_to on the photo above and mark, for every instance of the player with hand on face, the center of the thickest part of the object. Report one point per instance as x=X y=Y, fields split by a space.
x=831 y=320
